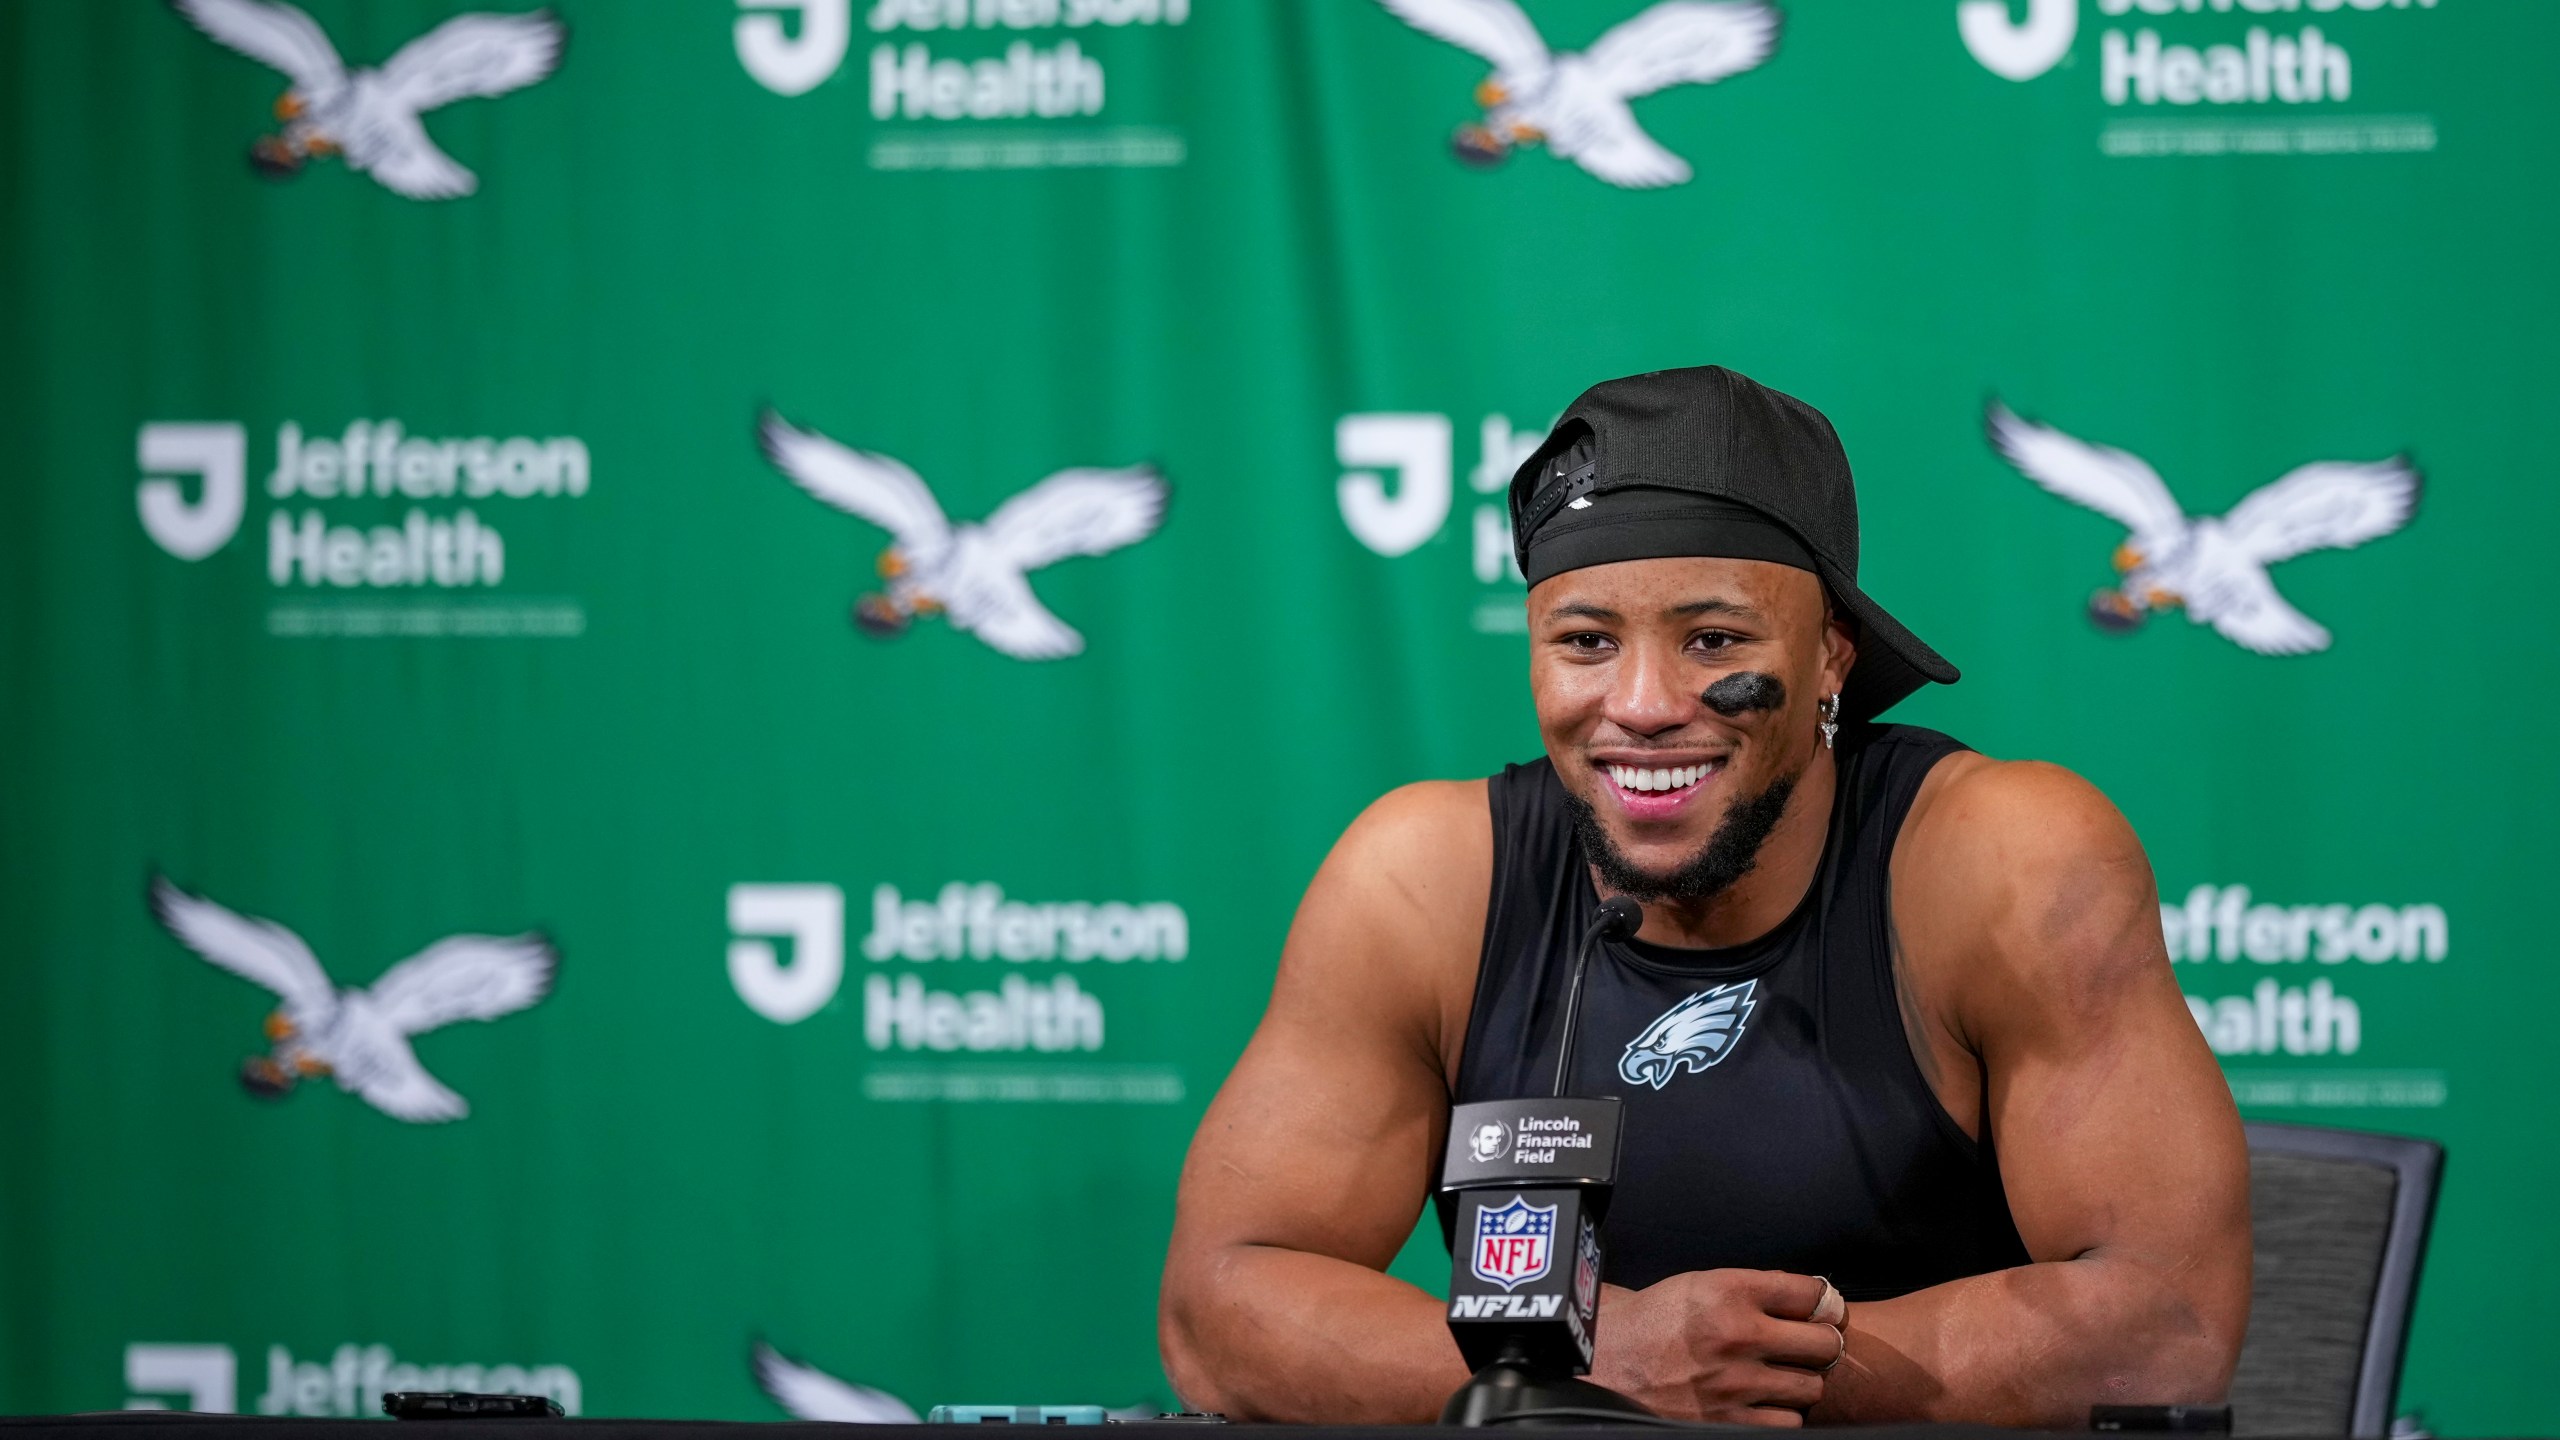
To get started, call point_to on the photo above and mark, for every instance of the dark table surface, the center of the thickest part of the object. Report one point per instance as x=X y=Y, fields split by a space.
x=173 y=1425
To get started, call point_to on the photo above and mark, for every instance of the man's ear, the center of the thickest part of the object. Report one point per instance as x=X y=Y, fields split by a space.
x=1839 y=650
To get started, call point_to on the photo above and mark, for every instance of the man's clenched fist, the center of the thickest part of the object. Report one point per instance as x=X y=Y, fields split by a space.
x=1731 y=1346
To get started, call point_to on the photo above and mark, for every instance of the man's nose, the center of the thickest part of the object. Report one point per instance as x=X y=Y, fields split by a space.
x=1652 y=694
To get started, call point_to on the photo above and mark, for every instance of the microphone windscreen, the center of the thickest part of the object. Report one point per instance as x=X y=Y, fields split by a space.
x=1620 y=918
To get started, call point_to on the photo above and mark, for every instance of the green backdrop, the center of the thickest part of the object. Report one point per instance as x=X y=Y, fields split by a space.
x=624 y=704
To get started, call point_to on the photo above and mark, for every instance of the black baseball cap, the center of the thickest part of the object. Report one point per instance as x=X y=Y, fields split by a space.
x=1704 y=461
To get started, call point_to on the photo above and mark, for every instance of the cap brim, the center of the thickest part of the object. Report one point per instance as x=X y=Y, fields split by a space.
x=1892 y=662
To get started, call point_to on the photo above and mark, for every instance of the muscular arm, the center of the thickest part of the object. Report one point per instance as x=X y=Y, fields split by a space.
x=2038 y=990
x=1314 y=1161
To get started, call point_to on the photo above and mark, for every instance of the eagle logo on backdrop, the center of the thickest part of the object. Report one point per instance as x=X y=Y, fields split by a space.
x=806 y=1392
x=360 y=1038
x=1576 y=104
x=1515 y=1243
x=1692 y=1035
x=2213 y=567
x=370 y=117
x=976 y=576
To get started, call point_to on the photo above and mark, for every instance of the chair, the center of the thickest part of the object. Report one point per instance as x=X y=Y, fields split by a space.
x=2340 y=1229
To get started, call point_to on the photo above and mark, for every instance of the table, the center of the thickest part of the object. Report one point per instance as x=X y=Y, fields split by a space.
x=175 y=1425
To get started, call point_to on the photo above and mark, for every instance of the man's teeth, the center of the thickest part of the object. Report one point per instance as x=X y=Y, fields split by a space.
x=1630 y=777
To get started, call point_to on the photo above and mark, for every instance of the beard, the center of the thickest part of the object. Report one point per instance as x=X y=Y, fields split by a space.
x=1727 y=856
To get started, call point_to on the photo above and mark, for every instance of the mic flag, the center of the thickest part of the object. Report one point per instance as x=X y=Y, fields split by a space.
x=1523 y=1187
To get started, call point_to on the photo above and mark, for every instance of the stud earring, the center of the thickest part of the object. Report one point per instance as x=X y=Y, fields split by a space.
x=1830 y=725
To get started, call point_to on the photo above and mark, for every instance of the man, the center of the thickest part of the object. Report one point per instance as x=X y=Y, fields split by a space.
x=1952 y=1072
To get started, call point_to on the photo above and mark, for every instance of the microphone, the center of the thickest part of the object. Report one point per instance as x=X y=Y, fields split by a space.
x=1524 y=1185
x=1619 y=918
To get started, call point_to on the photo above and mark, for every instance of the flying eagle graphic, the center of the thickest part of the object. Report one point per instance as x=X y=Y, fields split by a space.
x=976 y=575
x=2215 y=567
x=806 y=1392
x=1577 y=103
x=1692 y=1035
x=360 y=1038
x=371 y=116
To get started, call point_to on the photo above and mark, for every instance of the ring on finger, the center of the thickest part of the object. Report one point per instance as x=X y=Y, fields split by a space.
x=1843 y=1353
x=1830 y=1307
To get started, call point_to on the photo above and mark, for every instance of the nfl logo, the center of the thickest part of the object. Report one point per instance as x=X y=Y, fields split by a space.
x=1515 y=1244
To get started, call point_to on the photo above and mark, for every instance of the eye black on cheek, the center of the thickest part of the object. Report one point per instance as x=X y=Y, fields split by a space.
x=1744 y=691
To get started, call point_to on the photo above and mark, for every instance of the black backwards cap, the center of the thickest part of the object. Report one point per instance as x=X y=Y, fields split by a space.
x=1706 y=462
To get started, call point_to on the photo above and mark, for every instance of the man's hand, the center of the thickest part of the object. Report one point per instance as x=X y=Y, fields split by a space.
x=1726 y=1346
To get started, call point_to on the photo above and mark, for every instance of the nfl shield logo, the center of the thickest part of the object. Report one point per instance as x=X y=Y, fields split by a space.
x=1515 y=1244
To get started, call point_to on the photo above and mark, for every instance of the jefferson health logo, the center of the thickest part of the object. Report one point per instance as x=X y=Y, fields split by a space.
x=370 y=116
x=2287 y=1042
x=360 y=1037
x=408 y=520
x=1514 y=1243
x=1575 y=104
x=206 y=1379
x=2233 y=58
x=982 y=84
x=2215 y=567
x=974 y=575
x=1693 y=1035
x=1033 y=1020
x=1396 y=490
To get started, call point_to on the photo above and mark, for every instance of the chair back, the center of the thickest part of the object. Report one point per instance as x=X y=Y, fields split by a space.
x=2339 y=1221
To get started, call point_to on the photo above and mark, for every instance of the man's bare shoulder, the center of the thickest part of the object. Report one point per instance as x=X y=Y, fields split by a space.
x=1975 y=811
x=1426 y=818
x=1421 y=855
x=1387 y=937
x=2018 y=884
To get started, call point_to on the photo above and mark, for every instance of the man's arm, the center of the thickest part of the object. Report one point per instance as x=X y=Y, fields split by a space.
x=2028 y=940
x=1314 y=1160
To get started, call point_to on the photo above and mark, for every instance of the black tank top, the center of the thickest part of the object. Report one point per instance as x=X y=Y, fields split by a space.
x=1775 y=1116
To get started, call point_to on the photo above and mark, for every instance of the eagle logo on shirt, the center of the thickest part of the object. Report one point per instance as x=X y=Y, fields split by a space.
x=1692 y=1035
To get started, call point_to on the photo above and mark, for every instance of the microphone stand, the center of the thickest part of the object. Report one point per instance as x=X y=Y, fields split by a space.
x=1519 y=1178
x=1619 y=919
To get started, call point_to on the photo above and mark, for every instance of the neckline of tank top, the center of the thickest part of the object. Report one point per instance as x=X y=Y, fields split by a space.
x=1723 y=962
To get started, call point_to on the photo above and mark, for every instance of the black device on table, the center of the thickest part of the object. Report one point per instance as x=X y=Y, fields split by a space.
x=2162 y=1419
x=1524 y=1185
x=462 y=1405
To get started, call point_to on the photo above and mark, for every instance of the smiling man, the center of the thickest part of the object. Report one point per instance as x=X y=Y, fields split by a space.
x=1898 y=1027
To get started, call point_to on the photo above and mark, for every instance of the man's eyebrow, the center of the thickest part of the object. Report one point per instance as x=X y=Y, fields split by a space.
x=1714 y=607
x=1583 y=609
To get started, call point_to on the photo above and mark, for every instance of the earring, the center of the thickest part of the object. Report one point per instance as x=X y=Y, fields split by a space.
x=1830 y=725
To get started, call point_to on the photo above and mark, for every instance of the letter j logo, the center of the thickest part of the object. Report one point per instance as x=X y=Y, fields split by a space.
x=2014 y=51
